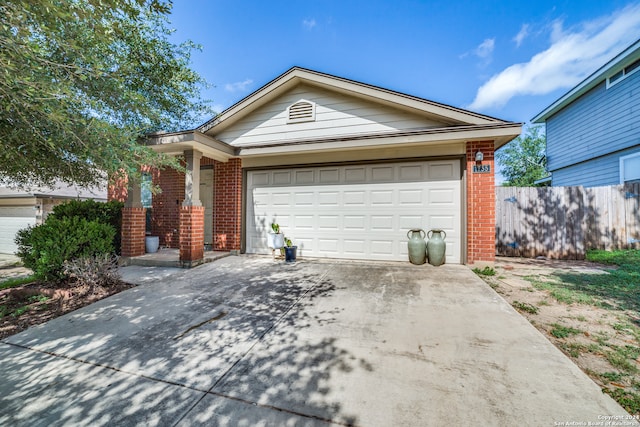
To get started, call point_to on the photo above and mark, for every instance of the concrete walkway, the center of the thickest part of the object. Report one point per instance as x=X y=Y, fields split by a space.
x=248 y=341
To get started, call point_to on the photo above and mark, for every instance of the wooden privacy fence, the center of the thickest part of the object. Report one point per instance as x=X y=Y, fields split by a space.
x=565 y=222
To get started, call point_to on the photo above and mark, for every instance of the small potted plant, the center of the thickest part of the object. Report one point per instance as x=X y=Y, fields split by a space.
x=290 y=251
x=275 y=239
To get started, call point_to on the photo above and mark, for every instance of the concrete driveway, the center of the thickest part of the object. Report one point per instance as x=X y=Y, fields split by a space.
x=247 y=341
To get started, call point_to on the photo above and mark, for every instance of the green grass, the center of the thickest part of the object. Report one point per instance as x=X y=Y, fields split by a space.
x=561 y=331
x=576 y=349
x=628 y=400
x=523 y=306
x=617 y=288
x=16 y=281
x=487 y=271
x=624 y=358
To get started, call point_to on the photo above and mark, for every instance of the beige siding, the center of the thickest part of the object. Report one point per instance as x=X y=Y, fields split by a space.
x=336 y=115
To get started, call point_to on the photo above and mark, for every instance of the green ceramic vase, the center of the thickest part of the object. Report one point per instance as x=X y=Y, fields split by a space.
x=417 y=246
x=436 y=246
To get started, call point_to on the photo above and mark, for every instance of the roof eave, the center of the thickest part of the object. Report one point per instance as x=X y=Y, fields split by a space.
x=296 y=75
x=177 y=142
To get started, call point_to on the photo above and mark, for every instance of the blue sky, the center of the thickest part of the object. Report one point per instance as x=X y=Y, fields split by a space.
x=505 y=59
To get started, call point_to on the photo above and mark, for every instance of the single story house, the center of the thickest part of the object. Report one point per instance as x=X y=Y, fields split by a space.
x=593 y=132
x=22 y=208
x=345 y=168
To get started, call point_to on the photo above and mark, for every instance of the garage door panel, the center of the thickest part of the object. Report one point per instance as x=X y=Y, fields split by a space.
x=328 y=198
x=442 y=196
x=441 y=171
x=340 y=214
x=355 y=174
x=282 y=178
x=305 y=177
x=329 y=176
x=13 y=219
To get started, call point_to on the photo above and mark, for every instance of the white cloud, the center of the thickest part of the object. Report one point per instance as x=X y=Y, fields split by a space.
x=485 y=49
x=572 y=55
x=522 y=34
x=309 y=23
x=238 y=86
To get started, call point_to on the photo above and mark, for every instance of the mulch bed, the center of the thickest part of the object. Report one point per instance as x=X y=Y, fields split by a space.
x=36 y=303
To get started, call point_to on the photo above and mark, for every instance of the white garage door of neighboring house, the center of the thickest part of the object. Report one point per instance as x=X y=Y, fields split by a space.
x=356 y=211
x=12 y=219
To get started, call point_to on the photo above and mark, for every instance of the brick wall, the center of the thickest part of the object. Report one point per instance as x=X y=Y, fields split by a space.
x=133 y=225
x=481 y=221
x=191 y=233
x=227 y=205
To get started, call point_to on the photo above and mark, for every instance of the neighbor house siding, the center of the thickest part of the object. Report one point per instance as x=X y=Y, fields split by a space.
x=604 y=170
x=336 y=115
x=600 y=122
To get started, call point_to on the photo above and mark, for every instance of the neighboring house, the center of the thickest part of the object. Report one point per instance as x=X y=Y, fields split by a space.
x=21 y=208
x=345 y=168
x=593 y=131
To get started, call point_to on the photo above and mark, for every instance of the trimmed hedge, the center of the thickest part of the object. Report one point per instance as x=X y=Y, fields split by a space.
x=106 y=213
x=46 y=247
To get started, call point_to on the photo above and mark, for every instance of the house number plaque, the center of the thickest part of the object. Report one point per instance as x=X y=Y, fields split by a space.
x=481 y=168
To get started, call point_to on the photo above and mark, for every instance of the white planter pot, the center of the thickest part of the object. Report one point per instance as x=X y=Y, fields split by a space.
x=151 y=244
x=275 y=241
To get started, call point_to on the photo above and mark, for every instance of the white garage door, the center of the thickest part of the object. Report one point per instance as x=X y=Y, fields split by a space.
x=12 y=219
x=356 y=211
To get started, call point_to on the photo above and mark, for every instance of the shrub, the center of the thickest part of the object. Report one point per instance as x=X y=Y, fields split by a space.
x=98 y=271
x=46 y=247
x=106 y=213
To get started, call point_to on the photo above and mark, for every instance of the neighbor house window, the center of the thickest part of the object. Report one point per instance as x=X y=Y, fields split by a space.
x=301 y=111
x=626 y=71
x=630 y=168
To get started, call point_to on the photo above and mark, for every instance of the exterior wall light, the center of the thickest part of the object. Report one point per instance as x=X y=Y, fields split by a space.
x=479 y=156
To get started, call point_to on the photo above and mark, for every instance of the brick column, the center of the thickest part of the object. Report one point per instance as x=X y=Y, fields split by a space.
x=191 y=235
x=481 y=199
x=133 y=222
x=192 y=213
x=133 y=228
x=227 y=205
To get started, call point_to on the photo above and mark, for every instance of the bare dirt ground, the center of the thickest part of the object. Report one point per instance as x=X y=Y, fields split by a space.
x=604 y=342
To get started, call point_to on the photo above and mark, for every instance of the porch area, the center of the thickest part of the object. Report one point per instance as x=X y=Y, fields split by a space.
x=170 y=257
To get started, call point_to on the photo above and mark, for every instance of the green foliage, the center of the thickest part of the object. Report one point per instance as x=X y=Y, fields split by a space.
x=46 y=247
x=523 y=160
x=106 y=213
x=81 y=81
x=487 y=271
x=275 y=228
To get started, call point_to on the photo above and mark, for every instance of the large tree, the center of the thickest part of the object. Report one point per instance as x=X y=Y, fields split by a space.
x=523 y=160
x=82 y=80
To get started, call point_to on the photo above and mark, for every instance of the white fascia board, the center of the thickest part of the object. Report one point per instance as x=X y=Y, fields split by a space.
x=621 y=60
x=297 y=75
x=177 y=143
x=500 y=136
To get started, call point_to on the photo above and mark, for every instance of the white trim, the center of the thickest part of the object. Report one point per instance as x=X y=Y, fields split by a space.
x=624 y=72
x=622 y=160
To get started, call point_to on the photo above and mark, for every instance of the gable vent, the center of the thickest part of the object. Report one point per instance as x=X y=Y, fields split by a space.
x=301 y=111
